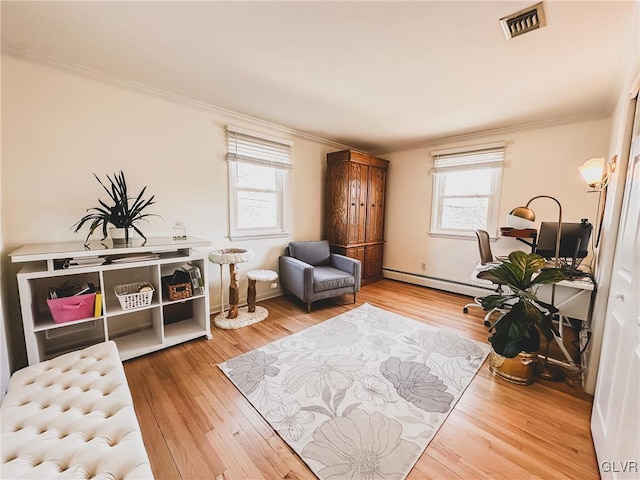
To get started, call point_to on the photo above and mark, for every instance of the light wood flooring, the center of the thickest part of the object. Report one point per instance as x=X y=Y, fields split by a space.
x=197 y=425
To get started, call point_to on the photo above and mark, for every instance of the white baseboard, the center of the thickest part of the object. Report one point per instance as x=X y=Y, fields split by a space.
x=438 y=283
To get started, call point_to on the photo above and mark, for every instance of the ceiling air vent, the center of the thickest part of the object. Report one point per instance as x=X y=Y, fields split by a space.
x=524 y=21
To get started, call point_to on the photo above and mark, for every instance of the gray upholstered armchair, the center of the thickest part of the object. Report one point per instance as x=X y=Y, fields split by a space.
x=311 y=272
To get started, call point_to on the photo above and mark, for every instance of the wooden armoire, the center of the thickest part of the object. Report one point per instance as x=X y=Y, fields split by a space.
x=354 y=216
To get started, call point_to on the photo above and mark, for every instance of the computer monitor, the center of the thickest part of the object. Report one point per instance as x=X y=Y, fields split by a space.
x=574 y=240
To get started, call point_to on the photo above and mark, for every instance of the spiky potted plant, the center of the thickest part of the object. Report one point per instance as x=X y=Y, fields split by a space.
x=515 y=336
x=122 y=212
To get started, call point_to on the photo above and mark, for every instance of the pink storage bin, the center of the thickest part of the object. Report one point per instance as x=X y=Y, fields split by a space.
x=69 y=309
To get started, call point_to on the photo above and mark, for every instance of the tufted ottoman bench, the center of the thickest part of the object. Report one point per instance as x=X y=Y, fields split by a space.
x=72 y=417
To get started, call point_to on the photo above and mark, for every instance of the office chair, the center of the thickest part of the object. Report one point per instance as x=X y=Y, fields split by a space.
x=487 y=261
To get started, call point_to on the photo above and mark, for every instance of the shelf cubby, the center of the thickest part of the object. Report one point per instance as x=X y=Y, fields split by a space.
x=136 y=331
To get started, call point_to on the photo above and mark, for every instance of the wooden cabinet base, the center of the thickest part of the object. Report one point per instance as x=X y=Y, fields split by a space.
x=370 y=257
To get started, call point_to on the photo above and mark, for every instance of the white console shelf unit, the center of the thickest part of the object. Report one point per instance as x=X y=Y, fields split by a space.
x=136 y=331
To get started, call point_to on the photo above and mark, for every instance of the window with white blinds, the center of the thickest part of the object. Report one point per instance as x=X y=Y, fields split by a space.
x=466 y=190
x=258 y=174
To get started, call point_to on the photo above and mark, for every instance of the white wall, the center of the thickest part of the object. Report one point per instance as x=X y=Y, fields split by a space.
x=59 y=127
x=540 y=161
x=620 y=143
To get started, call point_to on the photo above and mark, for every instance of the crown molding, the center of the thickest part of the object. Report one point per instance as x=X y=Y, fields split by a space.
x=496 y=131
x=80 y=70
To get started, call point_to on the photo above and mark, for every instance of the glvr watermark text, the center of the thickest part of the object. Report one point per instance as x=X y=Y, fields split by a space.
x=619 y=466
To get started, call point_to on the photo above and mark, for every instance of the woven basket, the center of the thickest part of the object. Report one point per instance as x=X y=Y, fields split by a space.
x=130 y=296
x=179 y=291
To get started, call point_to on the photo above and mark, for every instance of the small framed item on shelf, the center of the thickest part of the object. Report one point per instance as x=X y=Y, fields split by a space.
x=134 y=295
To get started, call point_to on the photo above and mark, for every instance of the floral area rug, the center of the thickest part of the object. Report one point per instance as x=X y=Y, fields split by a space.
x=360 y=395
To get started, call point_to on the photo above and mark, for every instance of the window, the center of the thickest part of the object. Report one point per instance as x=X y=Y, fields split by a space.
x=466 y=190
x=258 y=173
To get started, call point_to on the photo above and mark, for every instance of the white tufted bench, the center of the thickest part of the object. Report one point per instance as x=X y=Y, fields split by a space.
x=72 y=417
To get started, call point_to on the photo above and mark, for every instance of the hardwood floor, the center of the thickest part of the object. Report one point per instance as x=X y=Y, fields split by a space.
x=197 y=425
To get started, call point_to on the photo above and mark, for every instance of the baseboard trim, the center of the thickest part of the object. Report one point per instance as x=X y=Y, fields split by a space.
x=437 y=283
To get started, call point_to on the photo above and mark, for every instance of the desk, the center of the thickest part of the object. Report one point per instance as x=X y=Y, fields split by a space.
x=521 y=235
x=574 y=299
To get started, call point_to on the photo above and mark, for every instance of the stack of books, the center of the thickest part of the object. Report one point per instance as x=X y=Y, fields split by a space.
x=79 y=262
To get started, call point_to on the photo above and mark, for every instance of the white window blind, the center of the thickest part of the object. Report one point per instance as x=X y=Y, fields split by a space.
x=493 y=158
x=259 y=150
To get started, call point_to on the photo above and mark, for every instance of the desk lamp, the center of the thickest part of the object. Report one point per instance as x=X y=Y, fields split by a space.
x=523 y=217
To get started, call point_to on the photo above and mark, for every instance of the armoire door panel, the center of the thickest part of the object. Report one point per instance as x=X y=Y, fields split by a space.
x=375 y=223
x=358 y=194
x=337 y=201
x=357 y=253
x=373 y=260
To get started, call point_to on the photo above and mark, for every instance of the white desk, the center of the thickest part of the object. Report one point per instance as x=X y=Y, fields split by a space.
x=573 y=300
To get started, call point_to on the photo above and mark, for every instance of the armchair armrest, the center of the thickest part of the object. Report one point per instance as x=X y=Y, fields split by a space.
x=349 y=265
x=296 y=277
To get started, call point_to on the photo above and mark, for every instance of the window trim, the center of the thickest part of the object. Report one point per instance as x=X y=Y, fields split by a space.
x=235 y=156
x=454 y=160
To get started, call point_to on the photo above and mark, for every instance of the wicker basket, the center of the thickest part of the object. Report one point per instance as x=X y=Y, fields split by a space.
x=179 y=291
x=130 y=296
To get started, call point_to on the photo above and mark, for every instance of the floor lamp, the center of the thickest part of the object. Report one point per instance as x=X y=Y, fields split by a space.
x=523 y=217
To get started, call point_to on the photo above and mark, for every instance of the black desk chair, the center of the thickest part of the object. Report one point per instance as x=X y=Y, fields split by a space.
x=487 y=261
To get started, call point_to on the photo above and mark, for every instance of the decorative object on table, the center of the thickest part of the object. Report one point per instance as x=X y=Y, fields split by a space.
x=360 y=395
x=230 y=256
x=258 y=276
x=134 y=295
x=179 y=231
x=523 y=217
x=516 y=334
x=123 y=214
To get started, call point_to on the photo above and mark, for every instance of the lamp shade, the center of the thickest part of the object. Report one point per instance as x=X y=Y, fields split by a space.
x=593 y=171
x=521 y=217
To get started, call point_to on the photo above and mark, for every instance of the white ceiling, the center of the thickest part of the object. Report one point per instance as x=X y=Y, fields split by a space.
x=373 y=75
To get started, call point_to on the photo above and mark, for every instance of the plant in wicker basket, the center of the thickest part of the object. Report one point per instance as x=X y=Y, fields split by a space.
x=123 y=211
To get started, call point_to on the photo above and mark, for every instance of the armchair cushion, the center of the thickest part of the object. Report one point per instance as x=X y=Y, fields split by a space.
x=313 y=253
x=329 y=278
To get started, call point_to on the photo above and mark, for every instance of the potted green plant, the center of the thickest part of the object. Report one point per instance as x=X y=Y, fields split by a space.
x=515 y=336
x=122 y=212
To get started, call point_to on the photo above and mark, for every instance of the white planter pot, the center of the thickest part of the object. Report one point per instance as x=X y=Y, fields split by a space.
x=118 y=235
